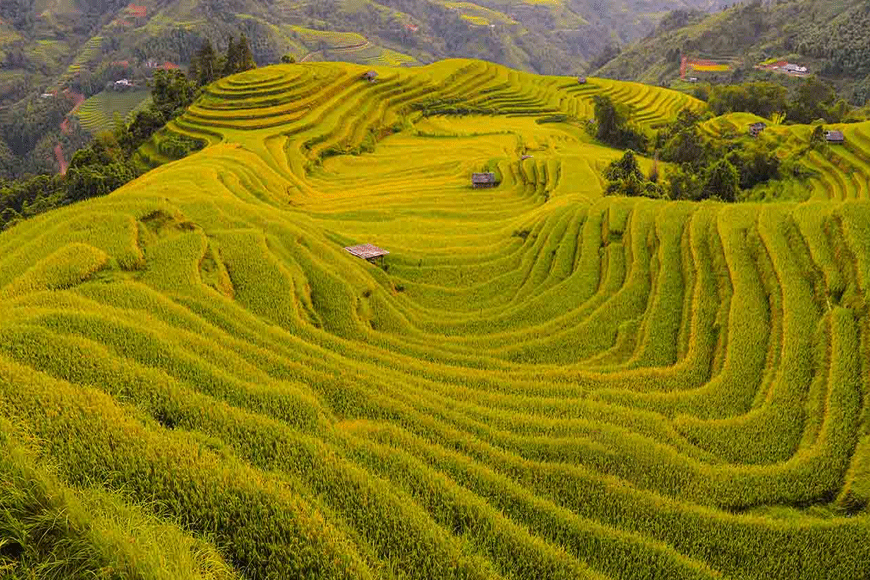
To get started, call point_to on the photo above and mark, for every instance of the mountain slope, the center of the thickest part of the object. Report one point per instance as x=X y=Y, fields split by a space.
x=832 y=39
x=557 y=36
x=539 y=382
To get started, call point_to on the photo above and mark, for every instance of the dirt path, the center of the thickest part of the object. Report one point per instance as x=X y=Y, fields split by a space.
x=78 y=98
x=61 y=160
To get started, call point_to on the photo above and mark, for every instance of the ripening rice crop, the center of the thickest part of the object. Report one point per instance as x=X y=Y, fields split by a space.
x=539 y=381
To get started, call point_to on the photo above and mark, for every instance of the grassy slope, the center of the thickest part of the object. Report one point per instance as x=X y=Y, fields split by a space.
x=544 y=383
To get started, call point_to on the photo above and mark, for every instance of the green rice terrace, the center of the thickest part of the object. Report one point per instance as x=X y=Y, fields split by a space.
x=197 y=380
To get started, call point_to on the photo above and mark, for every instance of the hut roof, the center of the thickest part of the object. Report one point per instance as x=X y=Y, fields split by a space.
x=367 y=251
x=835 y=136
x=370 y=75
x=482 y=178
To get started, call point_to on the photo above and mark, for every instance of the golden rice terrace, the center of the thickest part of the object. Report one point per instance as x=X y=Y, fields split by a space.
x=197 y=380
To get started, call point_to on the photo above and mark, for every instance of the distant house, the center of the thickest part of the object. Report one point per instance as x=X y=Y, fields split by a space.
x=835 y=137
x=794 y=69
x=755 y=129
x=692 y=79
x=46 y=95
x=479 y=180
x=370 y=76
x=581 y=80
x=122 y=84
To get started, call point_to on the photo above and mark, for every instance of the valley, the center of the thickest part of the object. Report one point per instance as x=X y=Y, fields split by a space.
x=197 y=380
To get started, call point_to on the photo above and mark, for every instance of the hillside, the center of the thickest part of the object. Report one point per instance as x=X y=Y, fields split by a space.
x=68 y=48
x=198 y=381
x=56 y=42
x=830 y=39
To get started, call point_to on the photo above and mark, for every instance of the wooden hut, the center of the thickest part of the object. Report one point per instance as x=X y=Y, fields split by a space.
x=835 y=137
x=755 y=129
x=581 y=80
x=371 y=76
x=479 y=180
x=368 y=252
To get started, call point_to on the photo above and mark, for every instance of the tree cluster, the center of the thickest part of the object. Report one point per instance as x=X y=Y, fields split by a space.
x=811 y=100
x=207 y=66
x=109 y=161
x=612 y=125
x=624 y=177
x=702 y=168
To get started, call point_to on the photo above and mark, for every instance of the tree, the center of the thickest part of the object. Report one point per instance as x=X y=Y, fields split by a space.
x=231 y=64
x=624 y=177
x=607 y=118
x=171 y=92
x=685 y=183
x=204 y=68
x=245 y=56
x=626 y=166
x=612 y=125
x=288 y=59
x=811 y=101
x=762 y=98
x=653 y=175
x=722 y=181
x=817 y=137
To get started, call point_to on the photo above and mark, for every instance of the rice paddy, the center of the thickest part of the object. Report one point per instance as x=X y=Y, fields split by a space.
x=101 y=112
x=539 y=382
x=348 y=47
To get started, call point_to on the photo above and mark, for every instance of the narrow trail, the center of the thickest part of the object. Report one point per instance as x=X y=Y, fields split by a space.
x=78 y=98
x=61 y=160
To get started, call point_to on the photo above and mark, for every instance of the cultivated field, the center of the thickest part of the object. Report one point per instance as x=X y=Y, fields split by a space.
x=102 y=111
x=197 y=381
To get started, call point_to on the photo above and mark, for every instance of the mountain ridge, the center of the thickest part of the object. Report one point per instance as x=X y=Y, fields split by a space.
x=832 y=40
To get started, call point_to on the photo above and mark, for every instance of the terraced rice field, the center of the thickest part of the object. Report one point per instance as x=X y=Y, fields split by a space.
x=99 y=113
x=348 y=47
x=839 y=172
x=540 y=382
x=479 y=15
x=86 y=55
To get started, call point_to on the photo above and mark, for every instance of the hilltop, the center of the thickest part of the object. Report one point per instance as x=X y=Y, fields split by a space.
x=197 y=380
x=829 y=39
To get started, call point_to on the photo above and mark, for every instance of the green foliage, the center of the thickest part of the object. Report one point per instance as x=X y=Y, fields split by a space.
x=176 y=146
x=239 y=57
x=204 y=67
x=613 y=125
x=762 y=98
x=108 y=163
x=722 y=181
x=681 y=141
x=813 y=100
x=624 y=177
